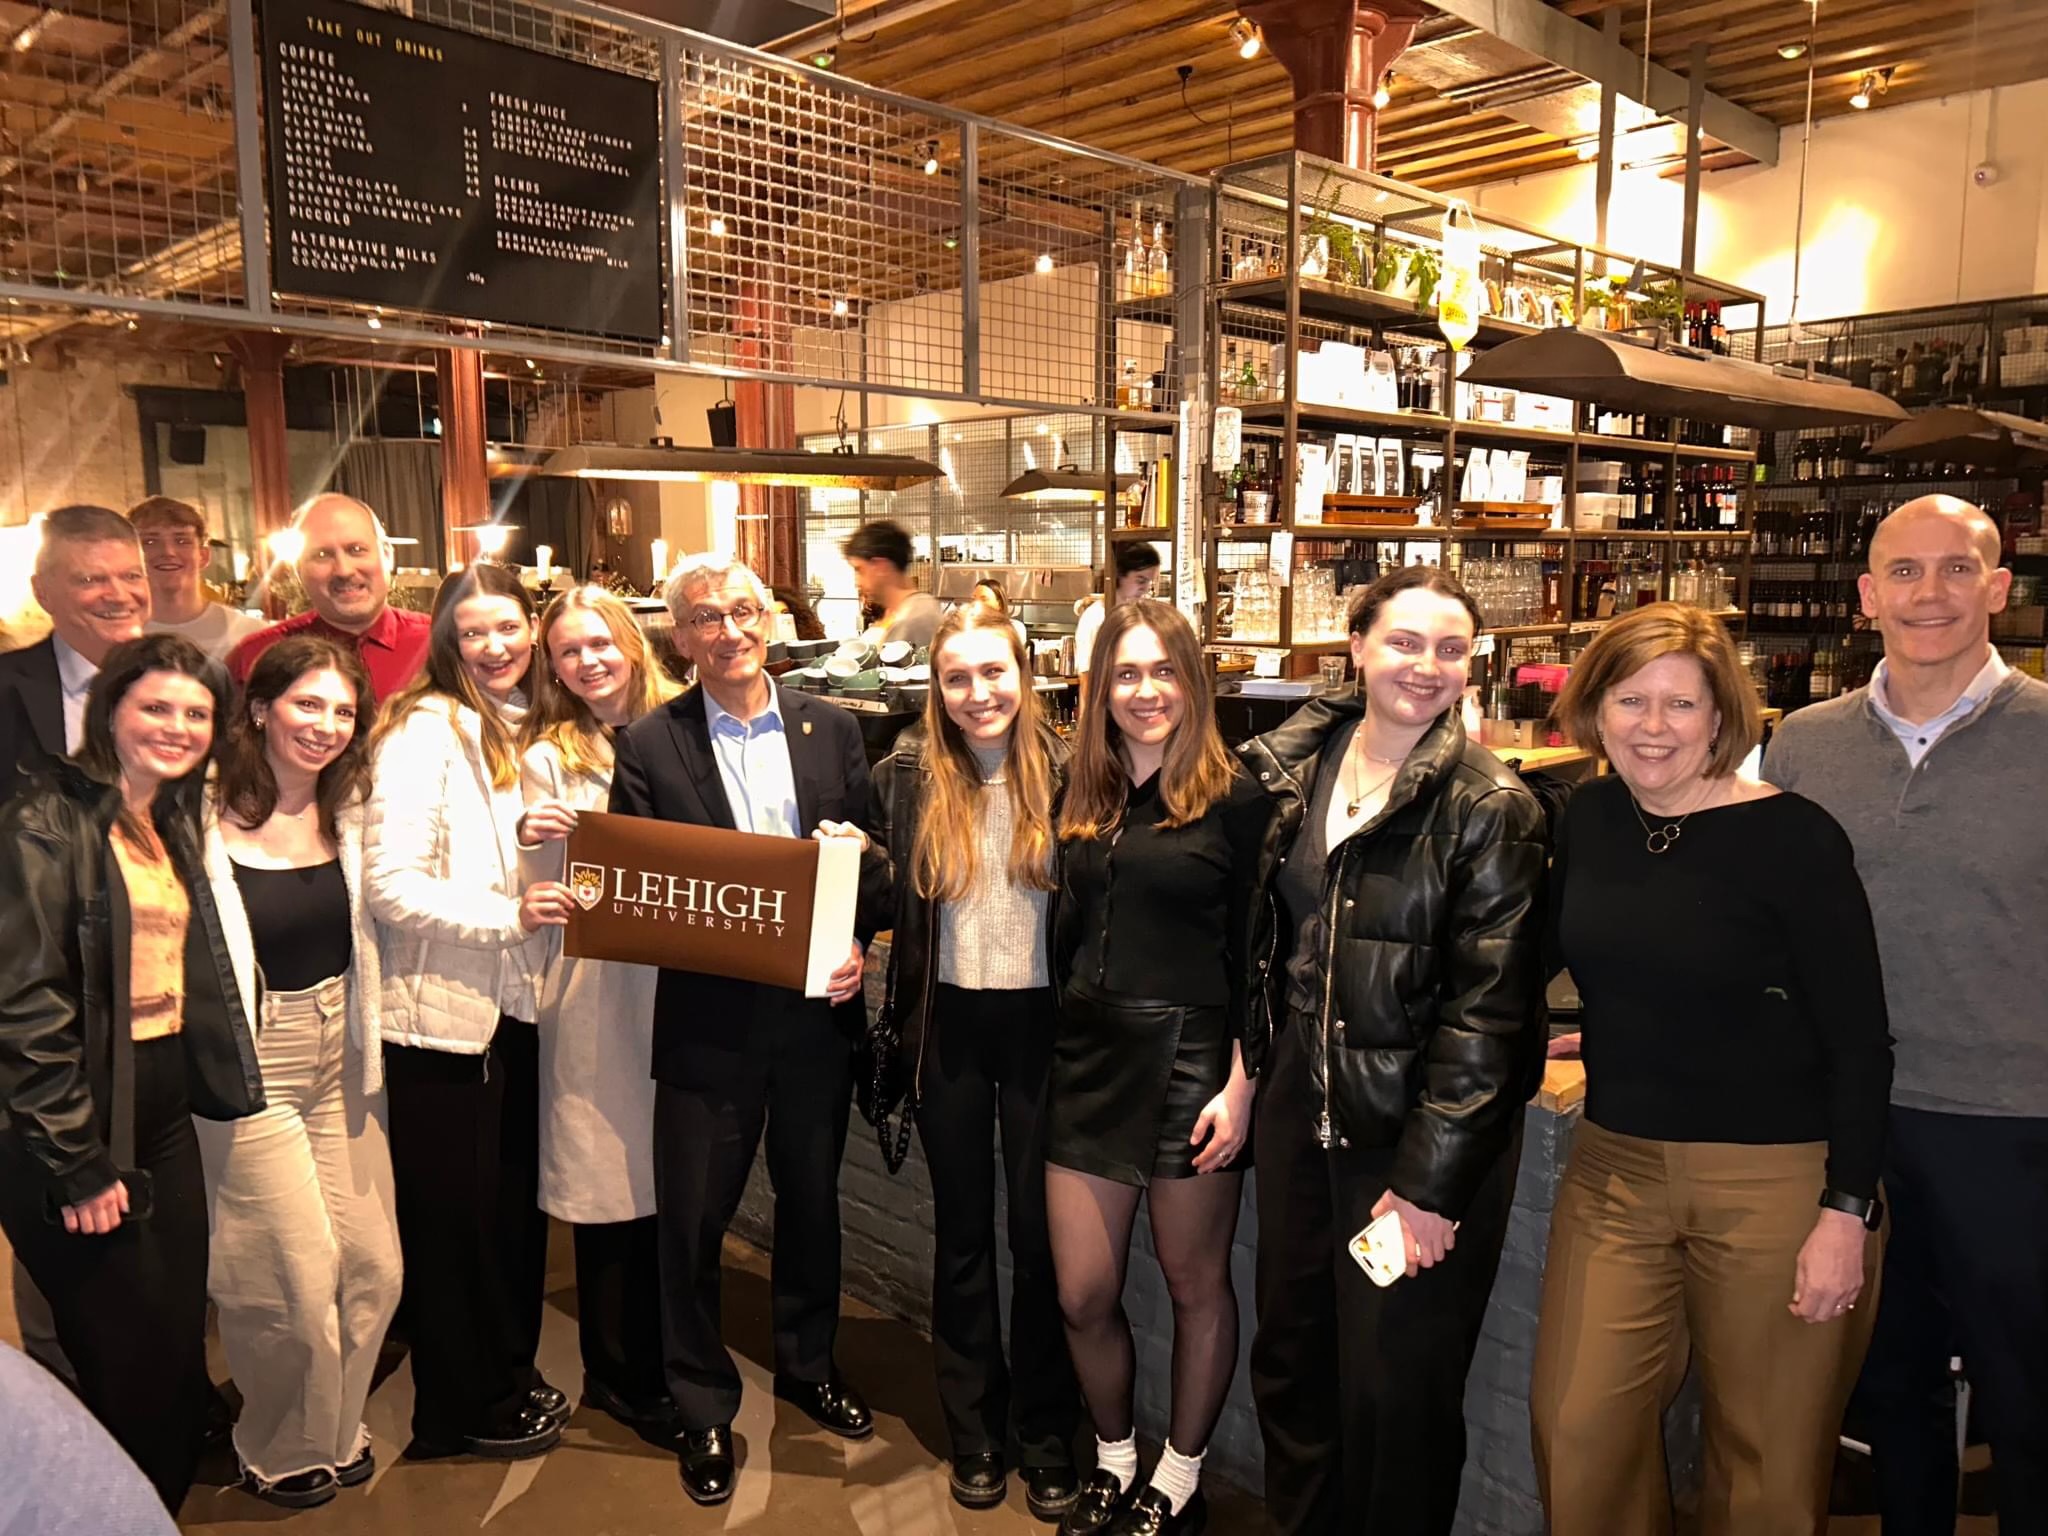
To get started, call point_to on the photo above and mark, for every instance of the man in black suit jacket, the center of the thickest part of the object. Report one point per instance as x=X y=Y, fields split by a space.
x=90 y=580
x=731 y=1057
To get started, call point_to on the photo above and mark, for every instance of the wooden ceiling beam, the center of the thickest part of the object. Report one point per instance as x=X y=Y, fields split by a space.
x=997 y=30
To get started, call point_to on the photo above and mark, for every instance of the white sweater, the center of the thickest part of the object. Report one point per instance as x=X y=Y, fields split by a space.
x=441 y=869
x=365 y=975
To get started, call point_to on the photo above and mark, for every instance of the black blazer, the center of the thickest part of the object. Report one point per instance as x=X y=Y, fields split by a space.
x=31 y=715
x=664 y=768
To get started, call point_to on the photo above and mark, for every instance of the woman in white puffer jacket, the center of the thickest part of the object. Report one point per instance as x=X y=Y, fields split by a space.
x=455 y=937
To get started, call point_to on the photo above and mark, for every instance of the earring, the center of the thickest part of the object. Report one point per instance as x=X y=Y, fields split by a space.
x=1713 y=742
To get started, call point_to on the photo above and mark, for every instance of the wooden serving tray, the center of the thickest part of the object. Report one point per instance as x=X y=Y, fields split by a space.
x=1371 y=511
x=1501 y=524
x=1505 y=508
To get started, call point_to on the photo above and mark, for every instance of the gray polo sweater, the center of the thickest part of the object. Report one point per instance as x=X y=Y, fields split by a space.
x=1954 y=854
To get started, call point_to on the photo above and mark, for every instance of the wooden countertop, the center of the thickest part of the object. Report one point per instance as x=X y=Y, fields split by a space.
x=1544 y=758
x=1564 y=1085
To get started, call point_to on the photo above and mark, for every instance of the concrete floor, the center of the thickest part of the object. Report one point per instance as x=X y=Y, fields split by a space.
x=603 y=1482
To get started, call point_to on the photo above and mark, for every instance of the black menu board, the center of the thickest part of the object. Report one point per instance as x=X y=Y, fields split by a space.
x=425 y=168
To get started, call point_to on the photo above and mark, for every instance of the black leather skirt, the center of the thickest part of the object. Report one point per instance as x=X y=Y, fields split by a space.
x=1130 y=1077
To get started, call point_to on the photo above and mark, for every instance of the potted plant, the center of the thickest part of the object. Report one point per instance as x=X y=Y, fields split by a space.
x=1425 y=268
x=1386 y=267
x=1344 y=254
x=1660 y=305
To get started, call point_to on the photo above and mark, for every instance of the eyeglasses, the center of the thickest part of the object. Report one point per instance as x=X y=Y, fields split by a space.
x=709 y=622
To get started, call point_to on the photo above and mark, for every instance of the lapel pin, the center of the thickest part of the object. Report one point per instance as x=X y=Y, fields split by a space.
x=807 y=727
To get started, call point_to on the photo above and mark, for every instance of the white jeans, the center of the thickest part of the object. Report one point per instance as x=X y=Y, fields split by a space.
x=304 y=1265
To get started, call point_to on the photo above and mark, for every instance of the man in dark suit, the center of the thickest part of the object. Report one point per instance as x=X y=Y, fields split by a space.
x=732 y=1058
x=89 y=578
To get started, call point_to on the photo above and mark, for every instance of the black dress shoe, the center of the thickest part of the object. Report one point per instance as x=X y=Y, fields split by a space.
x=1049 y=1492
x=834 y=1405
x=524 y=1432
x=302 y=1490
x=704 y=1458
x=654 y=1421
x=1151 y=1514
x=1101 y=1500
x=978 y=1480
x=551 y=1401
x=359 y=1471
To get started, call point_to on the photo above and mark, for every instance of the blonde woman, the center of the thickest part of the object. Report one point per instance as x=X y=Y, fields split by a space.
x=1161 y=841
x=597 y=1018
x=455 y=927
x=964 y=806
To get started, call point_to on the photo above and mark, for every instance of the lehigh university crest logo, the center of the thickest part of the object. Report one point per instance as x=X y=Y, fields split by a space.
x=586 y=884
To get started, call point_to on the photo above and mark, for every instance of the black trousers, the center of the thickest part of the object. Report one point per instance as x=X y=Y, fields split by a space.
x=1966 y=1271
x=1360 y=1391
x=793 y=1080
x=465 y=1160
x=130 y=1306
x=618 y=1308
x=985 y=1067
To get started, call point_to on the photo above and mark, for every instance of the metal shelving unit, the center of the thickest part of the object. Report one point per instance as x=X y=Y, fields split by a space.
x=1286 y=213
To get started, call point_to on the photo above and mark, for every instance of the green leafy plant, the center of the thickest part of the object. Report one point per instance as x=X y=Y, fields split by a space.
x=1425 y=269
x=1344 y=254
x=1660 y=304
x=1386 y=266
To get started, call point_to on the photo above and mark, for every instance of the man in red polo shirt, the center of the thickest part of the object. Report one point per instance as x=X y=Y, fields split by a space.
x=345 y=568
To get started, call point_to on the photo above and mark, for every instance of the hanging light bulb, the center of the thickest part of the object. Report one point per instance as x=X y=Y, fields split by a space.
x=716 y=228
x=840 y=307
x=1044 y=263
x=1873 y=85
x=1385 y=93
x=1248 y=37
x=931 y=158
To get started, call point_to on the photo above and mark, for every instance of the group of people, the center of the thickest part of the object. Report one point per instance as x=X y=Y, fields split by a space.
x=289 y=1030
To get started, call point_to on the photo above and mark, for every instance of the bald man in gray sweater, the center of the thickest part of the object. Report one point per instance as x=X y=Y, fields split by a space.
x=1936 y=771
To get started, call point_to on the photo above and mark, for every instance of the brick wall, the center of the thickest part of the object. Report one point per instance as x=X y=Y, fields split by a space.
x=887 y=1263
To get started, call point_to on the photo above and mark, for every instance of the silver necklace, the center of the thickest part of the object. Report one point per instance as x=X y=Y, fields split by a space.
x=1659 y=839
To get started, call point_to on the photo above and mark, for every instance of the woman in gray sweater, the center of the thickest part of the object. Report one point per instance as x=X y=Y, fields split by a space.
x=964 y=808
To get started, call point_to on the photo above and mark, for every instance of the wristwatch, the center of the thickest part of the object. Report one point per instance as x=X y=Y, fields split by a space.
x=1869 y=1212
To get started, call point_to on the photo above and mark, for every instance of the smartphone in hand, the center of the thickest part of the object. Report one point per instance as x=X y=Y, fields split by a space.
x=1380 y=1250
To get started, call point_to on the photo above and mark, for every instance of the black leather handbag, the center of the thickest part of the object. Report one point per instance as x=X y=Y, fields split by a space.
x=881 y=1084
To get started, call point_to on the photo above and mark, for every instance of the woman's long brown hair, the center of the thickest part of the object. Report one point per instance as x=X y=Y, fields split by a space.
x=445 y=677
x=246 y=788
x=946 y=853
x=585 y=741
x=1198 y=767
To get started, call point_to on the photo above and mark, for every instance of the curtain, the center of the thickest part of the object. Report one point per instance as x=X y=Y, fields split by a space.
x=400 y=481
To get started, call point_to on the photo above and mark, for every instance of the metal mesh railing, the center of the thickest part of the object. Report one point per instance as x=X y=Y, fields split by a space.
x=118 y=172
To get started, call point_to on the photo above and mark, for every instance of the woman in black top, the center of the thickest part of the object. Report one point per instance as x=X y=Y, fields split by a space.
x=1152 y=1064
x=1737 y=1067
x=1410 y=867
x=305 y=1267
x=119 y=1021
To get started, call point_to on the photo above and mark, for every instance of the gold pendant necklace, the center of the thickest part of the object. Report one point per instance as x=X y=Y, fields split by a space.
x=1351 y=806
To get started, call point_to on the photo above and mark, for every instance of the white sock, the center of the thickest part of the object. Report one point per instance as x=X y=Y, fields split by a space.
x=1177 y=1476
x=1120 y=1457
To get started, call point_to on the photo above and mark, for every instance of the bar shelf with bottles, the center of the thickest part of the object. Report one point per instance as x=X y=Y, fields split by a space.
x=1348 y=392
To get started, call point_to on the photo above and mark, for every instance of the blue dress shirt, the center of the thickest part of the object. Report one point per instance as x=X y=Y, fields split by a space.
x=753 y=764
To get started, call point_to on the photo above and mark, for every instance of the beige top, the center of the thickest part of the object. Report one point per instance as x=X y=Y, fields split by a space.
x=158 y=911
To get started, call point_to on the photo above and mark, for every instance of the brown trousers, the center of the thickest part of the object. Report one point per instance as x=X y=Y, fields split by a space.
x=1656 y=1246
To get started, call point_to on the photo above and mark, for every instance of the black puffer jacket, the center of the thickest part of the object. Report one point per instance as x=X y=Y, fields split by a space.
x=64 y=909
x=1431 y=963
x=903 y=783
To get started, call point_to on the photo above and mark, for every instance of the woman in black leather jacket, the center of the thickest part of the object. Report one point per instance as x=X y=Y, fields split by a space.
x=120 y=1020
x=1408 y=999
x=963 y=805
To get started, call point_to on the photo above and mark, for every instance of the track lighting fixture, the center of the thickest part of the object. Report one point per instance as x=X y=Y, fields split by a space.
x=1873 y=85
x=1044 y=263
x=1791 y=50
x=1385 y=93
x=1248 y=37
x=931 y=158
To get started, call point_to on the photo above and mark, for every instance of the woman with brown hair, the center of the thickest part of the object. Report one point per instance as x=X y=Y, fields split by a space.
x=597 y=1018
x=1409 y=865
x=120 y=1020
x=1151 y=1076
x=964 y=806
x=455 y=926
x=305 y=1267
x=1737 y=1065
